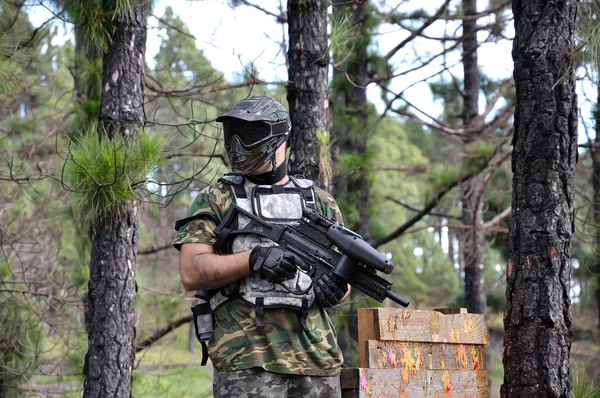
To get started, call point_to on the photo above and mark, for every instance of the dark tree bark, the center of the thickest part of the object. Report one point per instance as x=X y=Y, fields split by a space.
x=472 y=206
x=111 y=296
x=537 y=318
x=307 y=92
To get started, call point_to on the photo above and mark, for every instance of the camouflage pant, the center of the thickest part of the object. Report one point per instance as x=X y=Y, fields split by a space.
x=258 y=383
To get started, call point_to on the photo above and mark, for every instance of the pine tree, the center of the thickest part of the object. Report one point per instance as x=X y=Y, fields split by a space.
x=473 y=244
x=111 y=296
x=537 y=318
x=307 y=91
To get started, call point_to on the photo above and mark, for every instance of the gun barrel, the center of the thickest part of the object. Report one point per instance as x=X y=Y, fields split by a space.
x=397 y=298
x=359 y=250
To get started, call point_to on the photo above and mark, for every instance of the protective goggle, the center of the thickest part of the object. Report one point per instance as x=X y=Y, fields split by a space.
x=251 y=134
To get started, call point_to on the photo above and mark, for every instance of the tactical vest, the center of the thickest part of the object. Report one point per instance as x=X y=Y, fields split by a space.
x=280 y=204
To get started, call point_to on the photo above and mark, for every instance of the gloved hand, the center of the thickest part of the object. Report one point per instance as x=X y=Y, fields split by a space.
x=330 y=289
x=273 y=263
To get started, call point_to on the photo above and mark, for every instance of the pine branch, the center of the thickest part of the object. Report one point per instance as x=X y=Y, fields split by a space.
x=162 y=332
x=417 y=32
x=428 y=208
x=154 y=250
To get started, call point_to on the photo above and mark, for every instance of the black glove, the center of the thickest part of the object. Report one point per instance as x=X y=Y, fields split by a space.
x=273 y=263
x=330 y=289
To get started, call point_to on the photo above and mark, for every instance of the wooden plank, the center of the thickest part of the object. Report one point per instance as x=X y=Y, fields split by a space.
x=368 y=383
x=367 y=330
x=452 y=310
x=432 y=356
x=424 y=326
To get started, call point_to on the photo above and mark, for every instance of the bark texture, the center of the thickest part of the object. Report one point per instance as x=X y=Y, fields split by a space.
x=473 y=243
x=307 y=93
x=111 y=296
x=537 y=318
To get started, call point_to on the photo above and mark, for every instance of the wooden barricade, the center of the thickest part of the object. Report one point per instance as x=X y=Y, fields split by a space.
x=412 y=353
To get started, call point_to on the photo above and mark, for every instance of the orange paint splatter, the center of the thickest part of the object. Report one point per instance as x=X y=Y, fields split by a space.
x=392 y=326
x=405 y=316
x=454 y=336
x=447 y=383
x=434 y=327
x=553 y=251
x=404 y=374
x=408 y=361
x=485 y=338
x=475 y=357
x=468 y=325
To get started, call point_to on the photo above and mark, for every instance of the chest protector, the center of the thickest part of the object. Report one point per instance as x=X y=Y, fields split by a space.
x=281 y=204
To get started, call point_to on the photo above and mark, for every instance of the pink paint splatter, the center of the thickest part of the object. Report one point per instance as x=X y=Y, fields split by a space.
x=435 y=337
x=390 y=356
x=443 y=346
x=363 y=380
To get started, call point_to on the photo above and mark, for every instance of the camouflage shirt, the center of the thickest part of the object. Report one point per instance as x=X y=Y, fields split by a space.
x=282 y=346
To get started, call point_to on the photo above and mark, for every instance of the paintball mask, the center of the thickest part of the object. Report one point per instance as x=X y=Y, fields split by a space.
x=252 y=132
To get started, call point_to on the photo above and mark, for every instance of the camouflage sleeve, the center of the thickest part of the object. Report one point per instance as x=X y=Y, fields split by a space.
x=327 y=206
x=202 y=218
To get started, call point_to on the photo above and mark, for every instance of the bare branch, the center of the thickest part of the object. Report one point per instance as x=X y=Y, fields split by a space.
x=417 y=32
x=162 y=332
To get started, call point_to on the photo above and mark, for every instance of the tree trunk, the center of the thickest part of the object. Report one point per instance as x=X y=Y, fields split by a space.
x=350 y=129
x=350 y=100
x=537 y=318
x=471 y=191
x=111 y=296
x=596 y=178
x=307 y=92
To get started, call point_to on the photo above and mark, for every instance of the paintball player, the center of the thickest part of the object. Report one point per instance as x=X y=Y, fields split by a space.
x=269 y=334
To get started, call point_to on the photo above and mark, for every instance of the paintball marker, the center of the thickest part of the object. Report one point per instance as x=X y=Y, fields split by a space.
x=323 y=245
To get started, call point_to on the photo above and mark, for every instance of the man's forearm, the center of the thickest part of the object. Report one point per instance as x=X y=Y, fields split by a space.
x=213 y=271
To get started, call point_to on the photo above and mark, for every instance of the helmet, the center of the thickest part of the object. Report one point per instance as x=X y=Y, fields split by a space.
x=252 y=131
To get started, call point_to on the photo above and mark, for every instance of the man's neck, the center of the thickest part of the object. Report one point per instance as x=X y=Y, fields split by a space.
x=269 y=178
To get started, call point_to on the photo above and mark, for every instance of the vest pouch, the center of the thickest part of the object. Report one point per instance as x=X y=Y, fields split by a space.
x=299 y=284
x=202 y=314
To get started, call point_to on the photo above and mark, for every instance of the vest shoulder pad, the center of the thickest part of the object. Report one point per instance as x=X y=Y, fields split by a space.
x=232 y=179
x=302 y=182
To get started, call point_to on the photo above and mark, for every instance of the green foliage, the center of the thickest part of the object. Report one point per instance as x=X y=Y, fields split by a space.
x=588 y=29
x=582 y=386
x=93 y=21
x=342 y=37
x=108 y=175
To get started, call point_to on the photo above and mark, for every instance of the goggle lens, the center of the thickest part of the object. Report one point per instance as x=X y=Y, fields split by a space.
x=249 y=133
